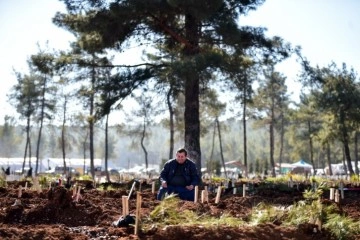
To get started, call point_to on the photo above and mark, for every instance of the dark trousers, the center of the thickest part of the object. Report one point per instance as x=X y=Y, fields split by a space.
x=182 y=192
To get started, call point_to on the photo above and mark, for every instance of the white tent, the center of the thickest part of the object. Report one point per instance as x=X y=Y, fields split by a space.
x=235 y=163
x=302 y=164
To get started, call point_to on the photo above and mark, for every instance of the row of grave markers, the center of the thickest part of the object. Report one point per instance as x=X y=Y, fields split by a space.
x=205 y=193
x=204 y=198
x=335 y=193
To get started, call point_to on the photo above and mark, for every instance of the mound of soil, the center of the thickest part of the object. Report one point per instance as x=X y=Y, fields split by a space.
x=55 y=214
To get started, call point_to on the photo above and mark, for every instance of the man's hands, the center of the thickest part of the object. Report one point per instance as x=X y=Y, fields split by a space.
x=164 y=185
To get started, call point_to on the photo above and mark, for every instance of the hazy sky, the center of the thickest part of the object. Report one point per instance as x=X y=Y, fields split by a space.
x=24 y=24
x=327 y=30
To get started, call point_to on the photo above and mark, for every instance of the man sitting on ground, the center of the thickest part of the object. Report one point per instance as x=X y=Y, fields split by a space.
x=179 y=176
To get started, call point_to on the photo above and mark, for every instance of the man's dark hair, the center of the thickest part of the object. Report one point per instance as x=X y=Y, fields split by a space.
x=182 y=150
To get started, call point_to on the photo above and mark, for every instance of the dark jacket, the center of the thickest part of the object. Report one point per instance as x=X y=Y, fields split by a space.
x=190 y=172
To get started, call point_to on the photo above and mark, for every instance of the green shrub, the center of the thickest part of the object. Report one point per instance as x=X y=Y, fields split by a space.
x=342 y=227
x=266 y=213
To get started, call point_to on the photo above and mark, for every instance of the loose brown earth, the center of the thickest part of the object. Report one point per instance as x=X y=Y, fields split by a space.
x=53 y=214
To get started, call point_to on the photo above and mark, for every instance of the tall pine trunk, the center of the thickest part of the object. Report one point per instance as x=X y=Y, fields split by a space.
x=91 y=123
x=143 y=145
x=272 y=144
x=63 y=129
x=311 y=148
x=356 y=153
x=328 y=156
x=27 y=145
x=345 y=140
x=107 y=147
x=245 y=133
x=192 y=91
x=171 y=125
x=282 y=132
x=220 y=144
x=42 y=113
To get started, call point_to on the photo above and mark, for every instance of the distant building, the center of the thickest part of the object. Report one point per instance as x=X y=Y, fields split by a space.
x=79 y=164
x=47 y=164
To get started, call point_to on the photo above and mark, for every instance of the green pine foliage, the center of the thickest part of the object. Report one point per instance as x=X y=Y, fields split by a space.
x=342 y=227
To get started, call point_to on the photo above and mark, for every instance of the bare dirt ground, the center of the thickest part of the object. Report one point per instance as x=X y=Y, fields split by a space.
x=53 y=214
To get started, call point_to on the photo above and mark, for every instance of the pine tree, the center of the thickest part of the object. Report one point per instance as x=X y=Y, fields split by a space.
x=204 y=33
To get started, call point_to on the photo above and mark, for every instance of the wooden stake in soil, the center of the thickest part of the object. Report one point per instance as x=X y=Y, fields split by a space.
x=153 y=187
x=318 y=222
x=196 y=192
x=244 y=190
x=202 y=196
x=337 y=196
x=132 y=189
x=332 y=193
x=74 y=191
x=37 y=185
x=234 y=190
x=20 y=191
x=138 y=211
x=291 y=184
x=125 y=205
x=218 y=194
x=342 y=189
x=78 y=194
x=206 y=198
x=35 y=180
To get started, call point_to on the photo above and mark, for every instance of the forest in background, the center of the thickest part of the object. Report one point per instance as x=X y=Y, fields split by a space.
x=125 y=149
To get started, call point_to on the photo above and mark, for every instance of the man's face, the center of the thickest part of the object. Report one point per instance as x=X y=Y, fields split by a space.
x=180 y=157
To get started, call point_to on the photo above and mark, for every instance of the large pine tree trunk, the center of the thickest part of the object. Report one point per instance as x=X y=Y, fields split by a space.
x=192 y=120
x=192 y=91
